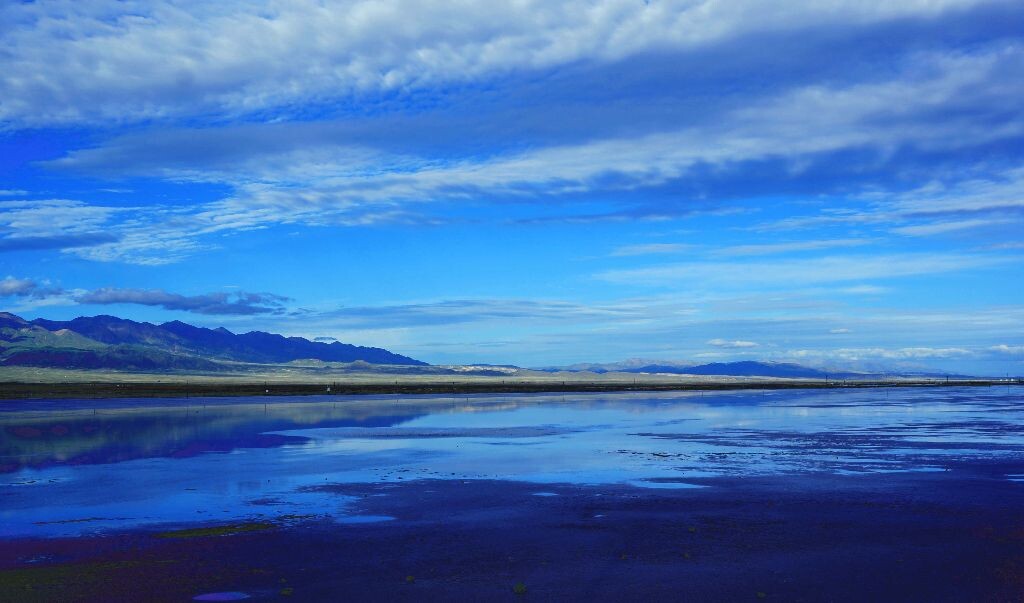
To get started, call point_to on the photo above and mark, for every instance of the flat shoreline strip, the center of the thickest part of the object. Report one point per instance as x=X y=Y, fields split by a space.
x=15 y=390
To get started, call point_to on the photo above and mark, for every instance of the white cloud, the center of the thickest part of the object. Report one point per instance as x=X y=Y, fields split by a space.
x=1003 y=246
x=33 y=294
x=860 y=354
x=650 y=249
x=11 y=286
x=47 y=216
x=669 y=326
x=863 y=290
x=934 y=228
x=27 y=290
x=351 y=185
x=786 y=273
x=735 y=344
x=997 y=199
x=839 y=331
x=69 y=61
x=770 y=248
x=218 y=303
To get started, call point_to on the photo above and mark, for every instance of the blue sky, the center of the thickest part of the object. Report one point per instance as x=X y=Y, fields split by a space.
x=536 y=183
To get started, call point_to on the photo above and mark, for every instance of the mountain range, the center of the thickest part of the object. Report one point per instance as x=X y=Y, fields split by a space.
x=112 y=343
x=108 y=342
x=743 y=368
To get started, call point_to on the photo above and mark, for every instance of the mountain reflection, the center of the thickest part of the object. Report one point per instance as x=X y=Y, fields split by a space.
x=87 y=437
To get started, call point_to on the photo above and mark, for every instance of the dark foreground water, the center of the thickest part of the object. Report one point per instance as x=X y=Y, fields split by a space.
x=796 y=475
x=80 y=467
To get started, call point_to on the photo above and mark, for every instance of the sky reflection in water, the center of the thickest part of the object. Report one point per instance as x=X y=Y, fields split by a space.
x=97 y=465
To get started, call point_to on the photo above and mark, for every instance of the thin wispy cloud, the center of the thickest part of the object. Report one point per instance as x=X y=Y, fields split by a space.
x=944 y=227
x=772 y=248
x=238 y=303
x=974 y=202
x=233 y=303
x=784 y=273
x=858 y=354
x=649 y=249
x=448 y=312
x=732 y=344
x=69 y=241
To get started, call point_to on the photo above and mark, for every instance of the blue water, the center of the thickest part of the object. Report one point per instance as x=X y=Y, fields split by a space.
x=74 y=467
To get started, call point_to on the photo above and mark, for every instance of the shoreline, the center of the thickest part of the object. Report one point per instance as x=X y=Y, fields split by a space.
x=21 y=390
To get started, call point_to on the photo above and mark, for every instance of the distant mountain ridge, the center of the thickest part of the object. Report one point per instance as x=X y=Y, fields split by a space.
x=117 y=343
x=742 y=368
x=749 y=368
x=112 y=343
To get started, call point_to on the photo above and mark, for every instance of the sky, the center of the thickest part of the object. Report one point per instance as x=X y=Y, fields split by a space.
x=836 y=183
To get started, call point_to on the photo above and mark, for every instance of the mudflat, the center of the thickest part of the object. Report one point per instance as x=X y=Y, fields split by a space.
x=949 y=536
x=912 y=494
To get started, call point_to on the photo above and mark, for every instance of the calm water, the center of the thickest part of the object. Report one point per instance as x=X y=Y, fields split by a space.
x=69 y=468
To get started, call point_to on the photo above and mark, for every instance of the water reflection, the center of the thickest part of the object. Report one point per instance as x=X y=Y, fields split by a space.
x=40 y=439
x=70 y=468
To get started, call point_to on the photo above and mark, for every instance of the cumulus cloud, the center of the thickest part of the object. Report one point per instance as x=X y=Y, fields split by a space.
x=237 y=303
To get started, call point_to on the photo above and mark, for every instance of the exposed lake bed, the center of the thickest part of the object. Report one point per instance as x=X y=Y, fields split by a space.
x=837 y=495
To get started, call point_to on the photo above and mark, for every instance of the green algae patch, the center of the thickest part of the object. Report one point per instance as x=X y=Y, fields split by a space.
x=228 y=530
x=63 y=521
x=59 y=582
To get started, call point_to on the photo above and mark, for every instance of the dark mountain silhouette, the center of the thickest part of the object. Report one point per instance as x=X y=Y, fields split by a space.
x=118 y=343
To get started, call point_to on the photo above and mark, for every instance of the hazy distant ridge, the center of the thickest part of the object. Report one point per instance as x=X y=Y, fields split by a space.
x=742 y=368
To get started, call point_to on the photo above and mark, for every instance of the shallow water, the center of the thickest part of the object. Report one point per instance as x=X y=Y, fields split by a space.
x=75 y=467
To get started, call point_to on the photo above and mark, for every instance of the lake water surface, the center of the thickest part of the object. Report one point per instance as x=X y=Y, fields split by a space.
x=77 y=467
